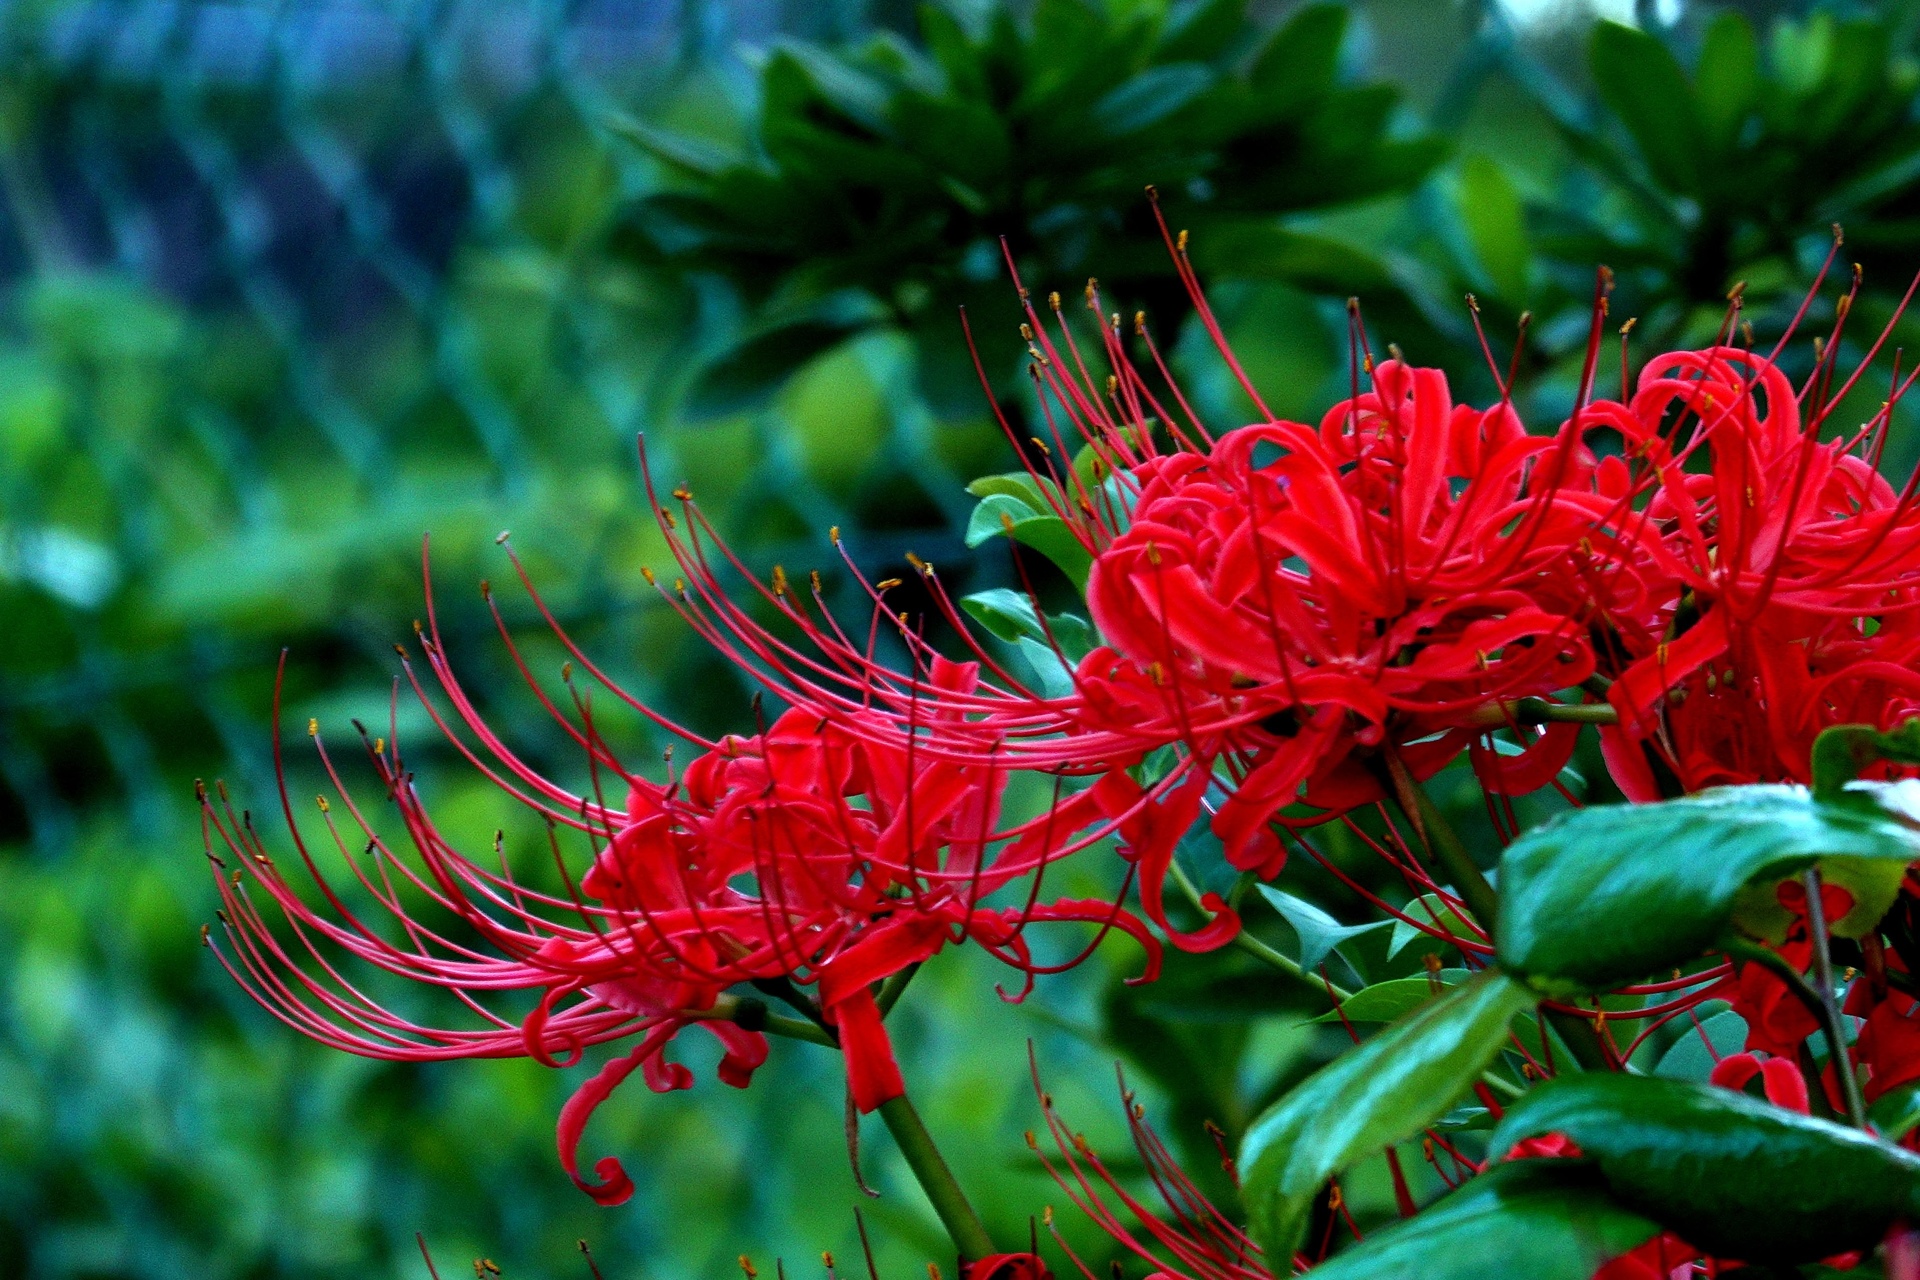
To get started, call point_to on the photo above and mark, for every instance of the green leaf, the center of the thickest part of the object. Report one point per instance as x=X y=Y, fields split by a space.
x=1728 y=78
x=1843 y=750
x=1381 y=1093
x=1729 y=1173
x=1300 y=62
x=1392 y=999
x=1259 y=248
x=1150 y=97
x=1496 y=226
x=1642 y=83
x=1688 y=1058
x=1542 y=1219
x=1896 y=1113
x=1048 y=534
x=1017 y=484
x=1319 y=933
x=1430 y=909
x=1604 y=896
x=1010 y=616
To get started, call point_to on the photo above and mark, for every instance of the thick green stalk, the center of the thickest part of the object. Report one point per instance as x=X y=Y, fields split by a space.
x=936 y=1179
x=1829 y=1003
x=1496 y=715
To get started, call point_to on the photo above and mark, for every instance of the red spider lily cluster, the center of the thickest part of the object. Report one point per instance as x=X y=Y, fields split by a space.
x=1297 y=624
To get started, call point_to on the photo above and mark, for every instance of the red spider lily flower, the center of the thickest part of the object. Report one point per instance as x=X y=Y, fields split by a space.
x=1298 y=596
x=1752 y=602
x=803 y=856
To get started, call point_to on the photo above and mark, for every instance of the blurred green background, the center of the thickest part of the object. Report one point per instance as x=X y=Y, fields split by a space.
x=285 y=286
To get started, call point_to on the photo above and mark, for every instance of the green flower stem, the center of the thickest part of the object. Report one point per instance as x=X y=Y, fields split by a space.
x=1829 y=1003
x=1449 y=854
x=754 y=1016
x=936 y=1179
x=916 y=1144
x=1497 y=715
x=893 y=988
x=1260 y=950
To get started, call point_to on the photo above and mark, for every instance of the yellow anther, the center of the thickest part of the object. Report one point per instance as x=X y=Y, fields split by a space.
x=313 y=727
x=324 y=806
x=886 y=584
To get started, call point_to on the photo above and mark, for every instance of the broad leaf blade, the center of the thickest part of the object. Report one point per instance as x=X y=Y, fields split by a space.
x=1643 y=83
x=1388 y=1089
x=1545 y=1220
x=1604 y=896
x=1727 y=1172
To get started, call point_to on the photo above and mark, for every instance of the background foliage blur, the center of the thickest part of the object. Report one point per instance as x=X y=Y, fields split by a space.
x=283 y=287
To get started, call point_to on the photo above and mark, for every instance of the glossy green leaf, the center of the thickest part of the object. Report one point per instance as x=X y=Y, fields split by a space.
x=1319 y=933
x=1727 y=1172
x=1689 y=1058
x=1604 y=896
x=1003 y=514
x=1010 y=615
x=1541 y=1219
x=1643 y=84
x=1896 y=1113
x=1429 y=909
x=1384 y=1091
x=1392 y=999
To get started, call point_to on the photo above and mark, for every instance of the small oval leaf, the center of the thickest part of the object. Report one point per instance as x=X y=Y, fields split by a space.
x=1388 y=1089
x=1726 y=1172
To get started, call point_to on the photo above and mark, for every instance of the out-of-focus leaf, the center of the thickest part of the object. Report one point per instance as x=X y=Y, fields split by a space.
x=1265 y=250
x=748 y=376
x=1727 y=80
x=1496 y=225
x=1896 y=1113
x=1389 y=1088
x=1578 y=916
x=1151 y=97
x=1545 y=1220
x=1727 y=1172
x=1643 y=83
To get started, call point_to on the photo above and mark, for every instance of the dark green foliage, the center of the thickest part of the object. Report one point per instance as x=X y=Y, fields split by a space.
x=891 y=171
x=1726 y=1172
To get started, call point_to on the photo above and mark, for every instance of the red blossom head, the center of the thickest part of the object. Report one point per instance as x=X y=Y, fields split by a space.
x=814 y=858
x=1763 y=580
